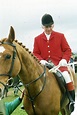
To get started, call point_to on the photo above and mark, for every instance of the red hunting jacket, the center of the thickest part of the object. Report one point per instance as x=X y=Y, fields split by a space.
x=54 y=49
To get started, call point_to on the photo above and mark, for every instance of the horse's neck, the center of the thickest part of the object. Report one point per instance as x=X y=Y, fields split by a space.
x=30 y=68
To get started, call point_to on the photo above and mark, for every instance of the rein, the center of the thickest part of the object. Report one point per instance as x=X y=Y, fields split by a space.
x=34 y=97
x=27 y=86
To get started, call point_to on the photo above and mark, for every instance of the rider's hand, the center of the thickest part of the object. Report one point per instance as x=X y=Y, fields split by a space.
x=43 y=62
x=63 y=62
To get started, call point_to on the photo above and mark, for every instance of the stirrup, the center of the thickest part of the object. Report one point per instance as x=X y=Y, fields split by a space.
x=71 y=106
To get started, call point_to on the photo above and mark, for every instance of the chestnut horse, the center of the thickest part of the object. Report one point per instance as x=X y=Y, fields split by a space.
x=43 y=95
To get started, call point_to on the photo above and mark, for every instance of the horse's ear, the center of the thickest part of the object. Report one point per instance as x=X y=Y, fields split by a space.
x=11 y=36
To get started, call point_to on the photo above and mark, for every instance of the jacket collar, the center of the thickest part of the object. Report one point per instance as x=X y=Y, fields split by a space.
x=51 y=36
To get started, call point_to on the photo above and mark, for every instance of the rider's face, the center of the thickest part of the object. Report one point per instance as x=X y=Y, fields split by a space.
x=48 y=29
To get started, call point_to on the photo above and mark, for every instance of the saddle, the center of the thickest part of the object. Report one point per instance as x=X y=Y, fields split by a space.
x=59 y=77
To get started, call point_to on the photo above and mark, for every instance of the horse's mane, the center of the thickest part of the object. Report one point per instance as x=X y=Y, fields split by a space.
x=21 y=44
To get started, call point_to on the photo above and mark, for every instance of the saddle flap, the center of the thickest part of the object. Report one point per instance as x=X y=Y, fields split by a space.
x=61 y=81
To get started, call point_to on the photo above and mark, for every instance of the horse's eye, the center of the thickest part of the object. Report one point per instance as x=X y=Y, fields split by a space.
x=7 y=56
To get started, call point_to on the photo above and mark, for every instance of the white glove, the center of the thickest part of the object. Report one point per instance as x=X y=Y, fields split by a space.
x=63 y=62
x=43 y=62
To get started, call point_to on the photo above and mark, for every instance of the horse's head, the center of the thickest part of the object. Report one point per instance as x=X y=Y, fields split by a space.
x=8 y=59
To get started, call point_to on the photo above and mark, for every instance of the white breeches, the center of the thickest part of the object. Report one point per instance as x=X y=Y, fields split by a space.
x=66 y=76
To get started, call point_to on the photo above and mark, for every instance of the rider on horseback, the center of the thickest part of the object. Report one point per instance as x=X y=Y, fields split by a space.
x=52 y=46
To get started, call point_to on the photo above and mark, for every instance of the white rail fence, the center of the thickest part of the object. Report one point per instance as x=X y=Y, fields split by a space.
x=74 y=66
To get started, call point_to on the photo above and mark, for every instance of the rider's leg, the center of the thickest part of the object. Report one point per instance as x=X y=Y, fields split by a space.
x=70 y=88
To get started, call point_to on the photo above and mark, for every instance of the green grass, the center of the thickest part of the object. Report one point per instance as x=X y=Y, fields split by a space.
x=76 y=74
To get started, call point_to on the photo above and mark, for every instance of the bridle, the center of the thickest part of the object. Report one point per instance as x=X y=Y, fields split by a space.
x=12 y=64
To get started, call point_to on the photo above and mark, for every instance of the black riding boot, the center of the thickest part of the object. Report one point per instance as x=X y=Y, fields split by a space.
x=72 y=100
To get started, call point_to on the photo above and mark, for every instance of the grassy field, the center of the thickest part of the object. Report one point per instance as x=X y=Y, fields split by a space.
x=11 y=97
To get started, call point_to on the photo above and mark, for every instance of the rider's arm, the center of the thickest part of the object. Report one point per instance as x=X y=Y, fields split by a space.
x=11 y=106
x=36 y=50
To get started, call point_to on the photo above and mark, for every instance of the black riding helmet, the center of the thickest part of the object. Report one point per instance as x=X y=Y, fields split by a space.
x=47 y=20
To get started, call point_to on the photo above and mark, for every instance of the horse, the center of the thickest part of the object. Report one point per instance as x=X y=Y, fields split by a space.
x=42 y=92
